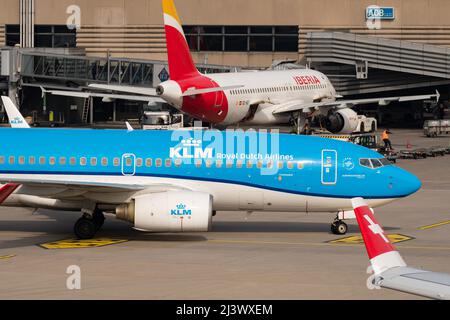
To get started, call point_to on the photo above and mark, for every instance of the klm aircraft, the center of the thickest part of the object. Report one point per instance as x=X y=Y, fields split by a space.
x=175 y=181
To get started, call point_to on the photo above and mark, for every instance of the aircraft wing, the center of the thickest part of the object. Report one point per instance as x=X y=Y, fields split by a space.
x=299 y=106
x=419 y=282
x=78 y=94
x=108 y=184
x=16 y=119
x=389 y=267
x=127 y=89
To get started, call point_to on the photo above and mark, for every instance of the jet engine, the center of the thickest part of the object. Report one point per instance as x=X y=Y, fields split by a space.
x=170 y=211
x=341 y=121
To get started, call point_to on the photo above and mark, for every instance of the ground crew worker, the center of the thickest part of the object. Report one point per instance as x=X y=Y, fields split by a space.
x=385 y=138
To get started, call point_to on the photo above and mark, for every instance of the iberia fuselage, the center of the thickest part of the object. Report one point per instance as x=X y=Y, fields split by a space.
x=254 y=102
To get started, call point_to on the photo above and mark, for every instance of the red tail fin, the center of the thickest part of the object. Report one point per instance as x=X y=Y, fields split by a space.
x=181 y=65
x=382 y=253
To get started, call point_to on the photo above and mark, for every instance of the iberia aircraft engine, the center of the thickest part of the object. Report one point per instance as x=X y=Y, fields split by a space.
x=341 y=121
x=170 y=211
x=171 y=92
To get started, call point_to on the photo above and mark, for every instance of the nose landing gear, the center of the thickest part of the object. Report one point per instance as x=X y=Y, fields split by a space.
x=339 y=227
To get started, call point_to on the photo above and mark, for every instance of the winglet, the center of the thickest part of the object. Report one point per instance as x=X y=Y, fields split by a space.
x=129 y=127
x=438 y=96
x=381 y=252
x=16 y=119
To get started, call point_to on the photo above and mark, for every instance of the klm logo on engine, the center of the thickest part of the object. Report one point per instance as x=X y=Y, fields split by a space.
x=191 y=149
x=181 y=210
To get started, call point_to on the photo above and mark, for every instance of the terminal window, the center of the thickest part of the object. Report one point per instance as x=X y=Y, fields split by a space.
x=45 y=36
x=12 y=34
x=242 y=38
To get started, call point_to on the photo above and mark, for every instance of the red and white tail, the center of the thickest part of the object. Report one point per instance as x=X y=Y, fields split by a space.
x=382 y=253
x=181 y=65
x=6 y=190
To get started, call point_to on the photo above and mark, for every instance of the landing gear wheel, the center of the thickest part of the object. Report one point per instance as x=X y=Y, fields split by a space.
x=85 y=228
x=99 y=219
x=339 y=227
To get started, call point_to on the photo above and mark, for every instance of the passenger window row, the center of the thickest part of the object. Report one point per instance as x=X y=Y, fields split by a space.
x=148 y=162
x=62 y=161
x=278 y=89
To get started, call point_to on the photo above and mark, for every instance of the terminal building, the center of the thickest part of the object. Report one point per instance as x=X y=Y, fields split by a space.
x=399 y=47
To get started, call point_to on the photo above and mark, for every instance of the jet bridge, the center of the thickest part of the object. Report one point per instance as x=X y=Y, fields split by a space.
x=27 y=70
x=118 y=71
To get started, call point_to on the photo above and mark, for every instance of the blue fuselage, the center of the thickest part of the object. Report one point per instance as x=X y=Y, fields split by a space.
x=292 y=164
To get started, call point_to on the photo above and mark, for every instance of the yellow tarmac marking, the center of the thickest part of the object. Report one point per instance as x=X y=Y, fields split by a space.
x=324 y=244
x=395 y=238
x=81 y=244
x=439 y=224
x=7 y=257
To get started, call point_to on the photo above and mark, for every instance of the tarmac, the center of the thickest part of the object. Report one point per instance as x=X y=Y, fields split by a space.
x=261 y=256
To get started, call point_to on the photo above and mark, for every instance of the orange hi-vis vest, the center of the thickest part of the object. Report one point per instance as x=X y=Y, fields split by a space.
x=385 y=135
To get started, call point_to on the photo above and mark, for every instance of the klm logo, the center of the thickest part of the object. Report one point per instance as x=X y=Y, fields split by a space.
x=191 y=149
x=16 y=120
x=181 y=210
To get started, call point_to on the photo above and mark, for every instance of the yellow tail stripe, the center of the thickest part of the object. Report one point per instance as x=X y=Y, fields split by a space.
x=169 y=9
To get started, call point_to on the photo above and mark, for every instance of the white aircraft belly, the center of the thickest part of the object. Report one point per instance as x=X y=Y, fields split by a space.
x=227 y=196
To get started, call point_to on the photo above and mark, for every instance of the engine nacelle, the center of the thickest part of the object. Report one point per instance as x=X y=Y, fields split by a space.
x=171 y=92
x=341 y=121
x=170 y=211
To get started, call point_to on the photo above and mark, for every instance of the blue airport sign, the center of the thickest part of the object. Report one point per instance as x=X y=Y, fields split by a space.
x=163 y=75
x=380 y=13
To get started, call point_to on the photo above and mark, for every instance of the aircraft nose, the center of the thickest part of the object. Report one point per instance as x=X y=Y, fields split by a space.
x=407 y=183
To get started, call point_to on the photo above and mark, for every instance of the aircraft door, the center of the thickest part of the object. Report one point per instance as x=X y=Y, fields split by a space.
x=218 y=100
x=128 y=164
x=329 y=167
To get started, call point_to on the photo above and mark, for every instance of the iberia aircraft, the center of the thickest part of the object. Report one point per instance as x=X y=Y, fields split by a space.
x=174 y=181
x=250 y=98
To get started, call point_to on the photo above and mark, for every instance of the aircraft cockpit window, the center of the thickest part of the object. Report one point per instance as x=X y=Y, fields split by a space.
x=376 y=163
x=365 y=163
x=385 y=162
